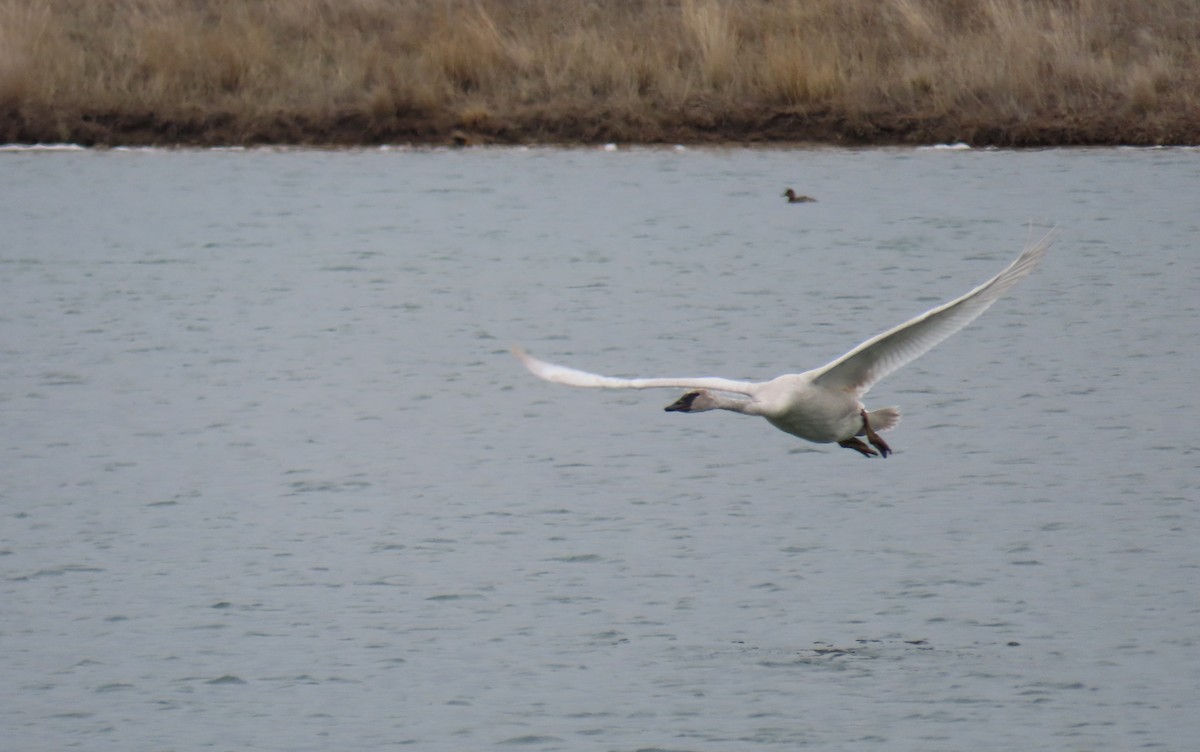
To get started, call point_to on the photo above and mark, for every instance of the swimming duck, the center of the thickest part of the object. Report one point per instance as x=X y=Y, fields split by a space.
x=793 y=198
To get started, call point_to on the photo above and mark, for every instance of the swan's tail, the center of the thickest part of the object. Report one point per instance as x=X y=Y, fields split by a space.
x=883 y=419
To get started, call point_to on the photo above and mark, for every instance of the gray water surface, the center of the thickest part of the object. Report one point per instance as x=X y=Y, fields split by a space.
x=270 y=478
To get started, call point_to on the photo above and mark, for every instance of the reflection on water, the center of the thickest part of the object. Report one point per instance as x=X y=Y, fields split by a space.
x=271 y=479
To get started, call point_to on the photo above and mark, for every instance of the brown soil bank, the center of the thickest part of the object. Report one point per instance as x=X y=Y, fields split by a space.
x=225 y=72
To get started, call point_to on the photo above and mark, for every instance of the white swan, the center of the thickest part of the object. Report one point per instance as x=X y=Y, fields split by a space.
x=823 y=405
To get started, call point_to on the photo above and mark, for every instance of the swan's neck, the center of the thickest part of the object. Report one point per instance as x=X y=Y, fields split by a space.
x=735 y=404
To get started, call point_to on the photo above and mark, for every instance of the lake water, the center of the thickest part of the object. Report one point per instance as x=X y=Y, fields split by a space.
x=270 y=478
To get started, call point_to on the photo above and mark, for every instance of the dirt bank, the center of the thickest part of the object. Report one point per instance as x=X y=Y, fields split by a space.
x=357 y=129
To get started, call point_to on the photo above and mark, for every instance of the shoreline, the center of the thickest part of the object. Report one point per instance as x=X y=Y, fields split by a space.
x=611 y=146
x=782 y=129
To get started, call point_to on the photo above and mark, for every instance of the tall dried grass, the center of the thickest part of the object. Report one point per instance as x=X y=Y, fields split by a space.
x=229 y=71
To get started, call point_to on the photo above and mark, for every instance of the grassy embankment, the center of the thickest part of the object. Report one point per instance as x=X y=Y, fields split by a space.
x=1008 y=72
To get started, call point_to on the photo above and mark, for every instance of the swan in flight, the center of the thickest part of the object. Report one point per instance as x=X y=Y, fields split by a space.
x=823 y=405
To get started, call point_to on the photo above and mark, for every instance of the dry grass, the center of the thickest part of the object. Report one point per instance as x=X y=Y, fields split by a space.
x=367 y=71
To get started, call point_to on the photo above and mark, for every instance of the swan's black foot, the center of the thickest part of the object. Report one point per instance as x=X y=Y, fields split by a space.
x=857 y=445
x=873 y=437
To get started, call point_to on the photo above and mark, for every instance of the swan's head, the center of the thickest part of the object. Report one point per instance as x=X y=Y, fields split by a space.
x=693 y=402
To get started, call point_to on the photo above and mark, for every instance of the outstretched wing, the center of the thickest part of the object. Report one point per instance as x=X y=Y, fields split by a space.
x=858 y=370
x=574 y=377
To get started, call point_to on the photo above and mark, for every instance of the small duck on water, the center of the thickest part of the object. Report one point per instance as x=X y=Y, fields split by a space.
x=793 y=198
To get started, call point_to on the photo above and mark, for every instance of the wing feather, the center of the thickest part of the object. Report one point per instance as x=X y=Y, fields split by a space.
x=858 y=370
x=574 y=377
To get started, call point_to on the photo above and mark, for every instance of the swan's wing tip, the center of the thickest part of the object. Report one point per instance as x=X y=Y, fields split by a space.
x=557 y=374
x=1033 y=253
x=1030 y=258
x=532 y=364
x=1039 y=247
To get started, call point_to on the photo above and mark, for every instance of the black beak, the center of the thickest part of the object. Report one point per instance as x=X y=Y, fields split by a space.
x=683 y=404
